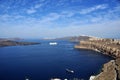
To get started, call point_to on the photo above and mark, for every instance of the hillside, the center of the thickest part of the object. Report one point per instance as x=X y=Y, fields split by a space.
x=74 y=38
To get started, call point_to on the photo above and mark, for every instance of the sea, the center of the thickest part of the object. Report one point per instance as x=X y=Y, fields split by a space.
x=45 y=62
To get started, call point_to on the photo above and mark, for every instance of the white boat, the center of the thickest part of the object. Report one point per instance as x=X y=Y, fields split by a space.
x=92 y=77
x=26 y=79
x=53 y=43
x=70 y=71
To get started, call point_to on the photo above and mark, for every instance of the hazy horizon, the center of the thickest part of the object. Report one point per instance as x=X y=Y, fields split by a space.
x=59 y=18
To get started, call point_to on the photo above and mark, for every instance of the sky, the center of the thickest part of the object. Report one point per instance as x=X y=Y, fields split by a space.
x=59 y=18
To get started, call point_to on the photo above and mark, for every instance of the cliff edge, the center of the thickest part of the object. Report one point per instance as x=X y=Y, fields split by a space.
x=109 y=47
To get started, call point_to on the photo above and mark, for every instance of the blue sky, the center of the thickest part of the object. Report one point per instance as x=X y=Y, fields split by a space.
x=59 y=18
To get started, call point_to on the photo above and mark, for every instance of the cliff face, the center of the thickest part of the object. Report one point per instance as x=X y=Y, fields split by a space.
x=110 y=71
x=106 y=46
x=111 y=47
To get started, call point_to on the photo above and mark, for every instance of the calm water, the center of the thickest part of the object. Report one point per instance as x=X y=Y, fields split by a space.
x=42 y=62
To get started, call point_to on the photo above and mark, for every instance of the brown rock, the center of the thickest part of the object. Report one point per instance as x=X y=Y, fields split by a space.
x=117 y=61
x=108 y=72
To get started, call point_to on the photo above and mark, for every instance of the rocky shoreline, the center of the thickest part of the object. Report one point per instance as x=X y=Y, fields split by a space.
x=5 y=43
x=110 y=47
x=110 y=71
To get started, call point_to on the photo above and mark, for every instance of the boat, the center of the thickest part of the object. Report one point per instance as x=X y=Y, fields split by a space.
x=70 y=71
x=26 y=79
x=92 y=77
x=53 y=43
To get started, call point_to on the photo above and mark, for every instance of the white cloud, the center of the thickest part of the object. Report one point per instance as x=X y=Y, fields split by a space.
x=37 y=6
x=46 y=25
x=7 y=17
x=50 y=17
x=34 y=8
x=67 y=13
x=44 y=31
x=67 y=17
x=106 y=16
x=31 y=11
x=55 y=16
x=94 y=8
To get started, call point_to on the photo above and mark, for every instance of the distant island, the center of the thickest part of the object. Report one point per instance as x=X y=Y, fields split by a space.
x=73 y=38
x=110 y=47
x=11 y=42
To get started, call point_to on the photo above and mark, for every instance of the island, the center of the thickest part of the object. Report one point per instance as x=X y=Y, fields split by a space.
x=110 y=47
x=74 y=38
x=6 y=42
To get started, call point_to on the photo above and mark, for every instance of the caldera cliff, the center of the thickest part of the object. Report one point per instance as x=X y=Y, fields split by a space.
x=110 y=47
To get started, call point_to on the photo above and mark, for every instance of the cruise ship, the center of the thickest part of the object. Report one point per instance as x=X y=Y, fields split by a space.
x=53 y=43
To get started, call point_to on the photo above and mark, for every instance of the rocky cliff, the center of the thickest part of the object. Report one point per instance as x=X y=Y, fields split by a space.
x=110 y=71
x=111 y=47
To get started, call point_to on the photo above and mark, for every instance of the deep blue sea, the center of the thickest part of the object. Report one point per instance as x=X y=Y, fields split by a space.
x=43 y=61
